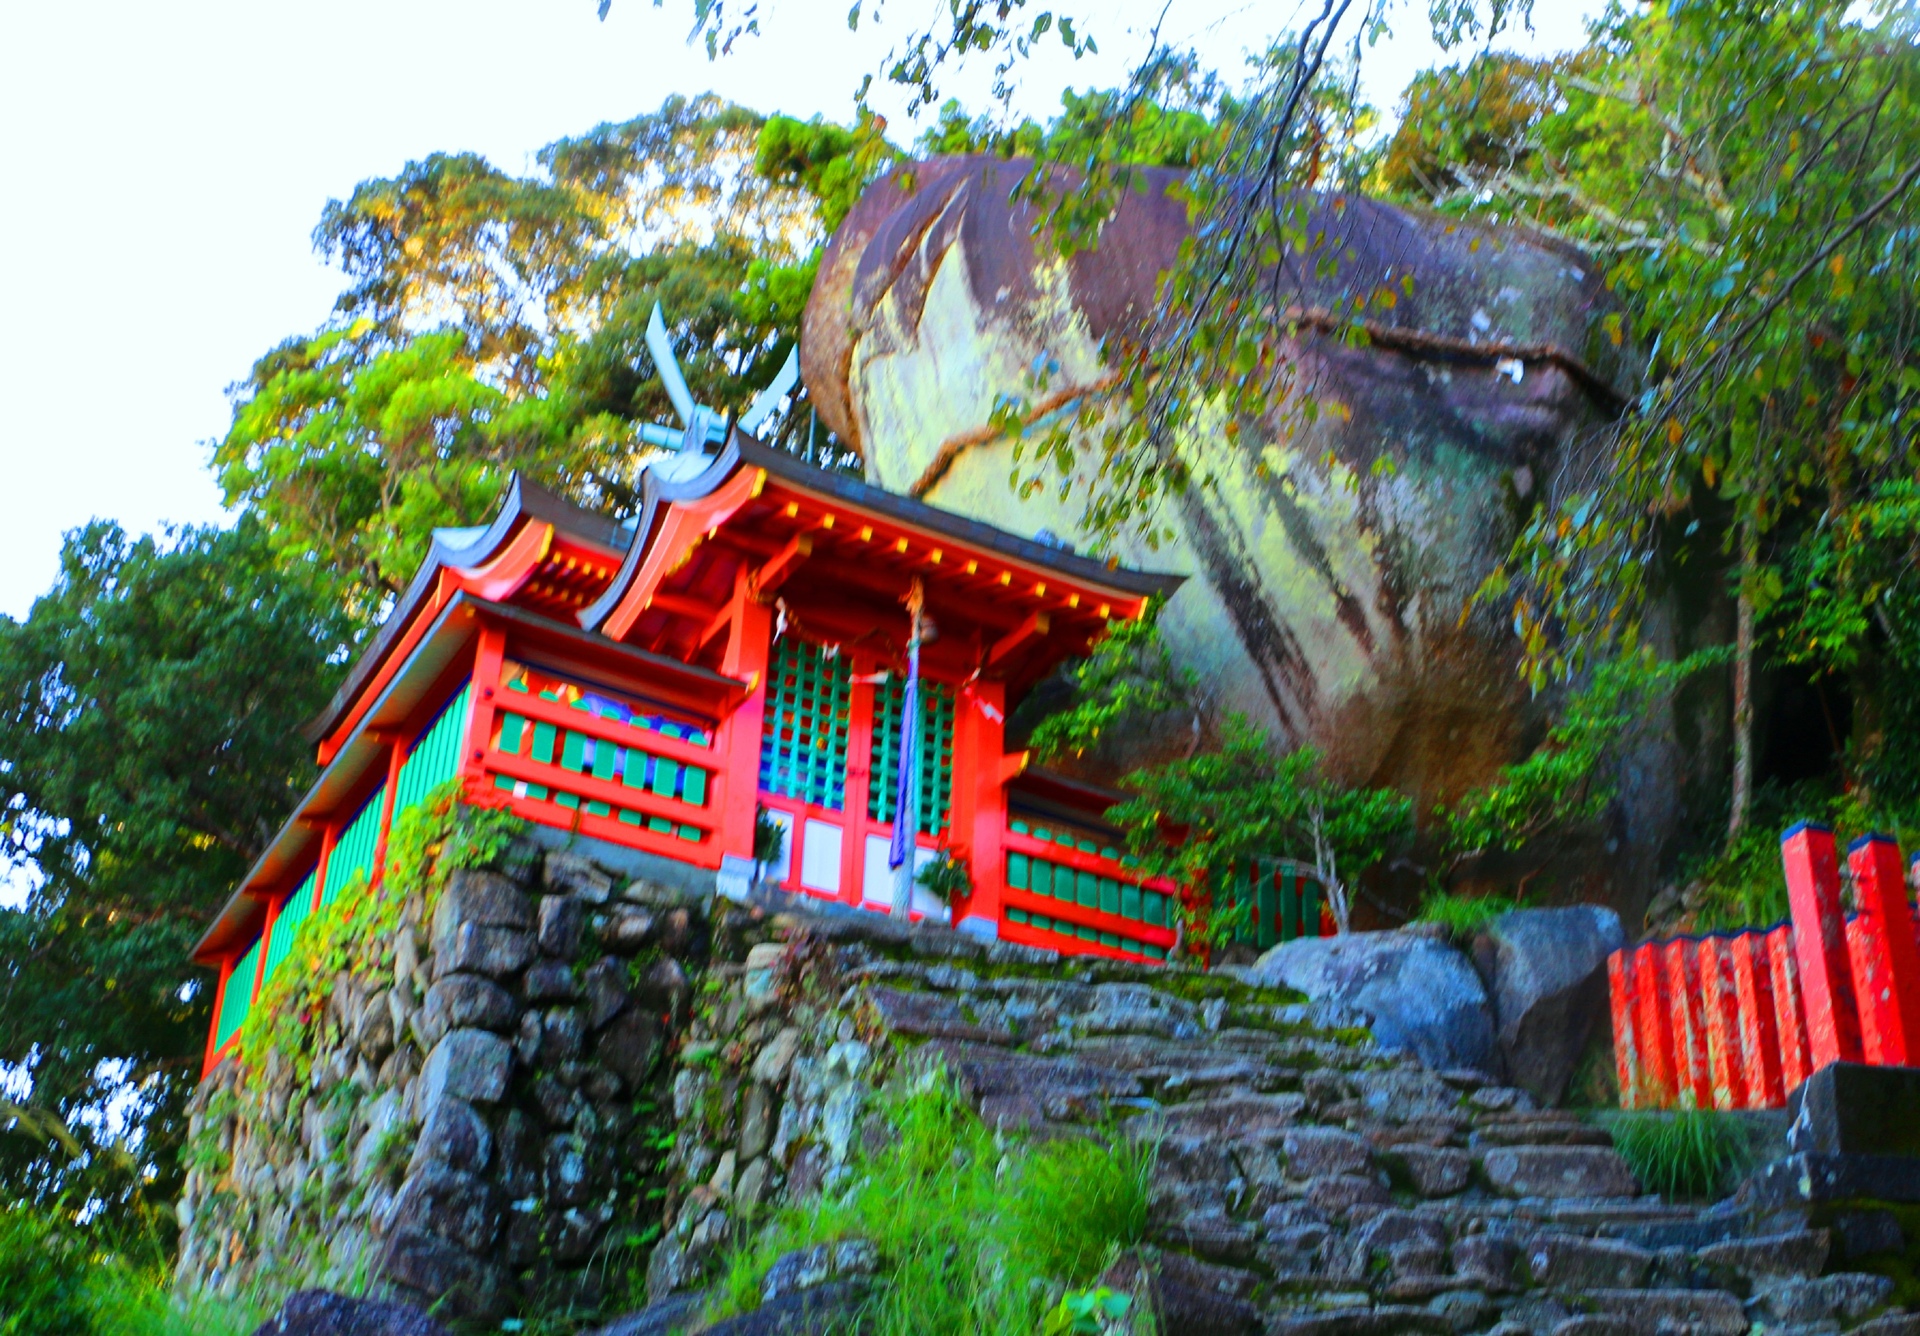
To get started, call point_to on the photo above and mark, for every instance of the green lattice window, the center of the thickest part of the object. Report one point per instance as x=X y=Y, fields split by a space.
x=286 y=926
x=353 y=852
x=936 y=752
x=803 y=747
x=238 y=1000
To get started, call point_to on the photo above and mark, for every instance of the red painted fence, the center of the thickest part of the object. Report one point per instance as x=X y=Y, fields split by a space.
x=1737 y=1020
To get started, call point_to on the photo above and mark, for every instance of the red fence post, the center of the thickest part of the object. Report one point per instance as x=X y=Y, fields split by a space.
x=1689 y=1022
x=1653 y=1027
x=1759 y=1025
x=1623 y=994
x=1721 y=1003
x=1820 y=943
x=1886 y=963
x=1796 y=1064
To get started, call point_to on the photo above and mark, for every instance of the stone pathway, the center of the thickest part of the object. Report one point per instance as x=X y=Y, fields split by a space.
x=1307 y=1184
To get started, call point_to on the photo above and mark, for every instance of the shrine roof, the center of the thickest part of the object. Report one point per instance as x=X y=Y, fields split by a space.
x=574 y=529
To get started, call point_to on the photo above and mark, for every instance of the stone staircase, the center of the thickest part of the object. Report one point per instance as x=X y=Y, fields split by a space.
x=1307 y=1184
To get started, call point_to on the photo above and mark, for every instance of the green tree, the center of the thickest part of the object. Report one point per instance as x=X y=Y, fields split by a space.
x=1745 y=169
x=149 y=708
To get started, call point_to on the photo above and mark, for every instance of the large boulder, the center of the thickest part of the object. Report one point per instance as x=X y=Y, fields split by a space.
x=1547 y=972
x=1414 y=992
x=1333 y=557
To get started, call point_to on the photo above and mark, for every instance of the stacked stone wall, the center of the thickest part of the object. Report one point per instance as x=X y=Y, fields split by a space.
x=483 y=1126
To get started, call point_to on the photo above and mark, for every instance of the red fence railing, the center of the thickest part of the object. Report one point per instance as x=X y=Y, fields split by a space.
x=1738 y=1020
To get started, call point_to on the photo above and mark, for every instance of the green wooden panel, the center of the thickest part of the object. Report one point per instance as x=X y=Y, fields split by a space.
x=1129 y=901
x=297 y=908
x=1018 y=866
x=434 y=757
x=1109 y=895
x=353 y=852
x=1042 y=877
x=1086 y=887
x=1309 y=907
x=1290 y=905
x=543 y=735
x=693 y=785
x=803 y=745
x=512 y=726
x=1154 y=907
x=238 y=1000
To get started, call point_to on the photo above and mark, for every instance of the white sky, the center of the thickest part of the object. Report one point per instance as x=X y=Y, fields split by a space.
x=162 y=167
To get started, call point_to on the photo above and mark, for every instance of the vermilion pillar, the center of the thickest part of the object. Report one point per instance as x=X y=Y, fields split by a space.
x=861 y=698
x=1759 y=1026
x=1720 y=1002
x=1627 y=1060
x=487 y=661
x=1820 y=944
x=219 y=1002
x=1689 y=1021
x=979 y=748
x=396 y=757
x=749 y=646
x=1654 y=1027
x=1790 y=1017
x=1886 y=963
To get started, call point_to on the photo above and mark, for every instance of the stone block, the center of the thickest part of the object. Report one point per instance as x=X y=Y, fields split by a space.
x=1336 y=1195
x=605 y=988
x=570 y=874
x=373 y=1031
x=1435 y=1171
x=463 y=1285
x=448 y=1204
x=1848 y=1295
x=1558 y=1171
x=1849 y=1108
x=455 y=1137
x=467 y=1002
x=322 y=1313
x=1574 y=1262
x=1383 y=1320
x=1800 y=1252
x=549 y=981
x=1265 y=1118
x=477 y=949
x=558 y=927
x=1698 y=1312
x=771 y=1063
x=1799 y=1180
x=1314 y=1151
x=629 y=1047
x=1491 y=1261
x=626 y=929
x=470 y=1065
x=483 y=898
x=563 y=1034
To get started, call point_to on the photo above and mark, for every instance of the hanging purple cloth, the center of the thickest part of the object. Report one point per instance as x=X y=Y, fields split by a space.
x=906 y=807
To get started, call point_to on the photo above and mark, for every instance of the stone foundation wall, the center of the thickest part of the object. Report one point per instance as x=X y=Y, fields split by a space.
x=484 y=1123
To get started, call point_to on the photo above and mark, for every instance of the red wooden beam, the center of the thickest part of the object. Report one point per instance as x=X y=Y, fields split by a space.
x=1820 y=941
x=1033 y=628
x=774 y=571
x=1886 y=967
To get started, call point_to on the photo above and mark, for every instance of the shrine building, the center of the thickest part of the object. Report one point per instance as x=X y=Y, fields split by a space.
x=734 y=658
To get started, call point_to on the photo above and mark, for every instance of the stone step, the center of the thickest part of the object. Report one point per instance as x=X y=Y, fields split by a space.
x=1699 y=1312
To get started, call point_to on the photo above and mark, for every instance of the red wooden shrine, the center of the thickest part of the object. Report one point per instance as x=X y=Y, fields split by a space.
x=735 y=656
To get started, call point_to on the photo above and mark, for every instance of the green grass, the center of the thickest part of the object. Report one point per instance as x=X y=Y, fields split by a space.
x=53 y=1284
x=977 y=1232
x=1463 y=915
x=1686 y=1154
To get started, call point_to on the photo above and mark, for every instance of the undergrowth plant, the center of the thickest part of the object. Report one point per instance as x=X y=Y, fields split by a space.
x=1687 y=1153
x=978 y=1231
x=1464 y=916
x=357 y=931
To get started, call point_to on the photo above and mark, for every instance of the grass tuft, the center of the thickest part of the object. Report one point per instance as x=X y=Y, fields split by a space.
x=1685 y=1154
x=977 y=1231
x=1463 y=915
